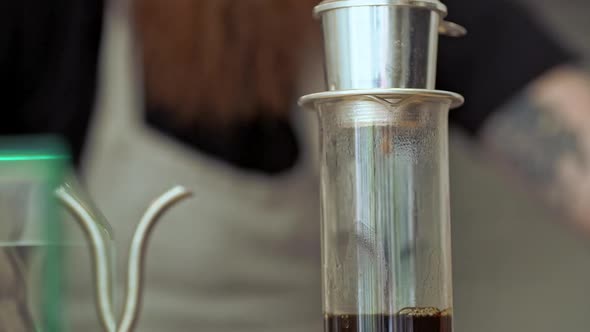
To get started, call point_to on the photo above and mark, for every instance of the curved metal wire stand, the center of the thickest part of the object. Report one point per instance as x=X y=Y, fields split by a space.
x=100 y=254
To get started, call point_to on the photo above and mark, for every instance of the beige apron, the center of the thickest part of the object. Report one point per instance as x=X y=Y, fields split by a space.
x=242 y=255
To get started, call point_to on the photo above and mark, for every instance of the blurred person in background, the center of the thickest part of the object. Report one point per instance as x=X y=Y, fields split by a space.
x=216 y=112
x=212 y=106
x=526 y=101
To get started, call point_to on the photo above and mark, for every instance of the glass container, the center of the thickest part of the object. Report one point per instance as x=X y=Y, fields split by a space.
x=386 y=248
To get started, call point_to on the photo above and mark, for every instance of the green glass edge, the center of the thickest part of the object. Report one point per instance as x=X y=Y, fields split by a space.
x=53 y=289
x=51 y=161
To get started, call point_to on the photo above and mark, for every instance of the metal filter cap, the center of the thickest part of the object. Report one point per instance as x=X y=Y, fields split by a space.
x=383 y=44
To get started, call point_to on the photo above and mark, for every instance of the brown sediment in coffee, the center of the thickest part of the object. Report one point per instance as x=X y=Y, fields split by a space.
x=425 y=319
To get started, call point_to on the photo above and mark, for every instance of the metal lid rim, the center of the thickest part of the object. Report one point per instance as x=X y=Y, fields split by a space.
x=423 y=4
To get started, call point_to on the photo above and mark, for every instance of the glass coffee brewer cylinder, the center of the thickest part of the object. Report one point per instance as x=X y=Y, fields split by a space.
x=386 y=250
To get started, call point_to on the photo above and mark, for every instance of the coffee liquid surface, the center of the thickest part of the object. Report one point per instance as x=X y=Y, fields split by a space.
x=407 y=320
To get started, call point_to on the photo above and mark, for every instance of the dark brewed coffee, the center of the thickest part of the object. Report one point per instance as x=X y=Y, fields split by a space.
x=407 y=320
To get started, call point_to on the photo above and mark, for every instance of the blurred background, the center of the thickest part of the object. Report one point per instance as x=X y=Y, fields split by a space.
x=514 y=263
x=519 y=264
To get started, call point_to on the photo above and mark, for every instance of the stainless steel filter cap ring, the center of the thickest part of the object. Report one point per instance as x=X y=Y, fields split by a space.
x=434 y=5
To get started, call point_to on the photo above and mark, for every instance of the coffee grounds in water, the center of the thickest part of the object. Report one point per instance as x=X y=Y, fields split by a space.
x=407 y=320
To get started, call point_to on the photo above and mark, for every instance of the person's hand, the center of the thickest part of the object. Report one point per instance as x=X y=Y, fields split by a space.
x=544 y=135
x=566 y=92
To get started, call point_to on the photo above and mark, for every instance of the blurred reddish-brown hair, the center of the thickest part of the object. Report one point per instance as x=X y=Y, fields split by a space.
x=221 y=61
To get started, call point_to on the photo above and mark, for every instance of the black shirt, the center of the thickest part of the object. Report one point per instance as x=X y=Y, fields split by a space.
x=504 y=50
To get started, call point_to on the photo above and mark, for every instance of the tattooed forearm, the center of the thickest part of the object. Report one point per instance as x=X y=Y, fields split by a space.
x=531 y=137
x=543 y=136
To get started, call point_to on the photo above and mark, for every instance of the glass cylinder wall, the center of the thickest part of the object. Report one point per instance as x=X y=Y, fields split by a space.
x=385 y=213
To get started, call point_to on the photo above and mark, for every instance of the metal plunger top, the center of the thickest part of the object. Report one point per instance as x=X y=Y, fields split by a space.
x=382 y=47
